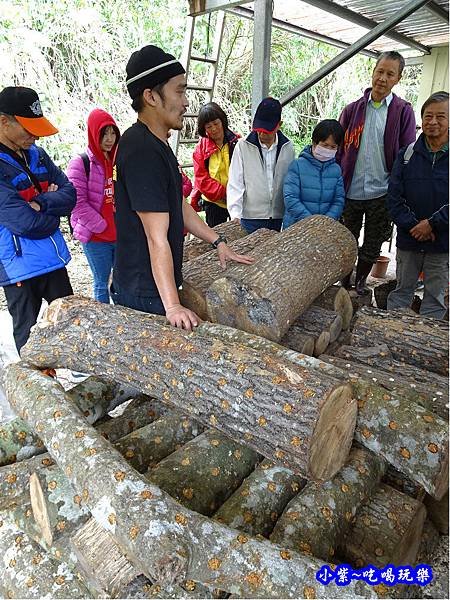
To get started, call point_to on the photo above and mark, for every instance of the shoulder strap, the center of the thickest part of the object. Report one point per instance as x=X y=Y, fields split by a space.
x=408 y=153
x=86 y=163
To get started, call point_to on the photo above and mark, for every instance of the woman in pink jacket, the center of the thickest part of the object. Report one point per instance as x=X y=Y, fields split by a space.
x=93 y=216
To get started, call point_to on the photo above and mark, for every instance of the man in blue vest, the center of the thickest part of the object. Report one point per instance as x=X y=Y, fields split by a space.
x=34 y=194
x=418 y=203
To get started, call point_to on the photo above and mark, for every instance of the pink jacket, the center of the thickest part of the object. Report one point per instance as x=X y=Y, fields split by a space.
x=86 y=218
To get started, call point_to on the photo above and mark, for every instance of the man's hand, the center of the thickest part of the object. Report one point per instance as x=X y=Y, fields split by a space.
x=180 y=316
x=52 y=187
x=423 y=231
x=226 y=253
x=35 y=206
x=236 y=220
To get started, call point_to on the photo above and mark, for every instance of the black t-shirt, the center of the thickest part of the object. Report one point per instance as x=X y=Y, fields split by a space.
x=148 y=180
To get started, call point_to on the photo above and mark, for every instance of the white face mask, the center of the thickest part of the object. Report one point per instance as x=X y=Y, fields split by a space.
x=323 y=154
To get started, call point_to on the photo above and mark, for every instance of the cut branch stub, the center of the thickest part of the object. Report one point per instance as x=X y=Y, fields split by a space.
x=291 y=271
x=195 y=247
x=283 y=411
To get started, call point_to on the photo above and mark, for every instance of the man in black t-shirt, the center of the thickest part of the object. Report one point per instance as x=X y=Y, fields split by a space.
x=150 y=211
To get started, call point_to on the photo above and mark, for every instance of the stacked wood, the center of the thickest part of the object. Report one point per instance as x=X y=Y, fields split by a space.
x=217 y=383
x=403 y=484
x=292 y=270
x=164 y=540
x=195 y=247
x=93 y=396
x=338 y=299
x=321 y=324
x=199 y=273
x=257 y=504
x=28 y=572
x=412 y=339
x=431 y=397
x=204 y=472
x=387 y=530
x=315 y=521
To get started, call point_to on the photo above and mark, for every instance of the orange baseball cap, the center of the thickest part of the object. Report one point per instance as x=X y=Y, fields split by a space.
x=23 y=104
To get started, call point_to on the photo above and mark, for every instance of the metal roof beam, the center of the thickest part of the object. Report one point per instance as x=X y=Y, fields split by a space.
x=366 y=39
x=358 y=19
x=201 y=7
x=262 y=36
x=246 y=13
x=438 y=11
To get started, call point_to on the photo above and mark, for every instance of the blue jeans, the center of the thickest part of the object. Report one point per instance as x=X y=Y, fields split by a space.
x=147 y=304
x=251 y=225
x=100 y=256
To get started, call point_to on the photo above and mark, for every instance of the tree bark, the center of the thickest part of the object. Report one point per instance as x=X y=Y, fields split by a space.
x=195 y=247
x=432 y=386
x=403 y=484
x=306 y=421
x=257 y=504
x=320 y=323
x=201 y=272
x=28 y=572
x=432 y=399
x=93 y=396
x=292 y=270
x=204 y=472
x=14 y=478
x=317 y=518
x=387 y=530
x=338 y=299
x=166 y=541
x=305 y=343
x=412 y=339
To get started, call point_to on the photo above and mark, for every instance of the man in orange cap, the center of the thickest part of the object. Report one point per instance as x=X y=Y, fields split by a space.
x=34 y=194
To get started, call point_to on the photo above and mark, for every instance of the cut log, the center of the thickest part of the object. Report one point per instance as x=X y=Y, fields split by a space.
x=195 y=247
x=429 y=384
x=359 y=302
x=14 y=478
x=428 y=543
x=163 y=539
x=204 y=472
x=317 y=518
x=28 y=572
x=292 y=270
x=403 y=484
x=102 y=559
x=428 y=396
x=387 y=530
x=329 y=320
x=145 y=447
x=438 y=512
x=297 y=335
x=306 y=421
x=412 y=339
x=201 y=272
x=338 y=299
x=93 y=396
x=256 y=505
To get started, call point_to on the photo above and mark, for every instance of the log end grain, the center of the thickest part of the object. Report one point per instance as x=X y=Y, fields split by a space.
x=334 y=430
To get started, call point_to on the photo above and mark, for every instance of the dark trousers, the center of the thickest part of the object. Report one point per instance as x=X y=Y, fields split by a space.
x=24 y=300
x=377 y=225
x=251 y=225
x=215 y=215
x=150 y=304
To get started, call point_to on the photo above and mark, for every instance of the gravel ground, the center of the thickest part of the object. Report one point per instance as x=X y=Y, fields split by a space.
x=81 y=279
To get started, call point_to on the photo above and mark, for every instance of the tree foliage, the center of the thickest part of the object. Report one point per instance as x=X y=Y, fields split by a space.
x=74 y=52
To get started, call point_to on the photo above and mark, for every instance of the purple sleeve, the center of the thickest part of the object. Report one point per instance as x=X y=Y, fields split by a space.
x=407 y=126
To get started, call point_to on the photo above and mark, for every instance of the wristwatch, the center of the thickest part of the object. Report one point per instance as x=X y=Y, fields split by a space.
x=219 y=240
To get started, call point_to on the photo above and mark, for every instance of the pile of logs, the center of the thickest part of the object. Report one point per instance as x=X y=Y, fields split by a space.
x=247 y=456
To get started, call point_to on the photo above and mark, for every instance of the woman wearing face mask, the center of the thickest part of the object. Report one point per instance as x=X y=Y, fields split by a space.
x=92 y=218
x=313 y=183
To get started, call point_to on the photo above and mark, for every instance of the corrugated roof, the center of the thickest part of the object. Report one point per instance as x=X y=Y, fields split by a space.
x=424 y=26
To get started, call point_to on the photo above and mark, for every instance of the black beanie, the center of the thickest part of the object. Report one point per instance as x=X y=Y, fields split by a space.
x=149 y=66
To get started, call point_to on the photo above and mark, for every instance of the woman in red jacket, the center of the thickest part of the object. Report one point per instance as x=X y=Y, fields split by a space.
x=212 y=157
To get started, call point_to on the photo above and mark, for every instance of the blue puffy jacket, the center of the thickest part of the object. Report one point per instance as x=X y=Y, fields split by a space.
x=419 y=190
x=31 y=243
x=312 y=187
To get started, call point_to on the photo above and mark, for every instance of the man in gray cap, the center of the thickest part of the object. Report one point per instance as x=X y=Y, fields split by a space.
x=150 y=212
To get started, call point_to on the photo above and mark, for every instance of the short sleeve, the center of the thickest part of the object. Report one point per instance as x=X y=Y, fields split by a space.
x=146 y=177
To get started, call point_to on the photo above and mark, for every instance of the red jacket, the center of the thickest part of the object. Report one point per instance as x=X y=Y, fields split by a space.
x=204 y=184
